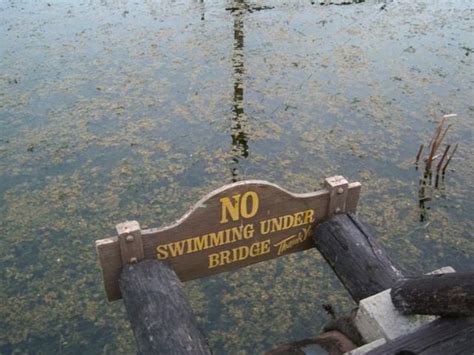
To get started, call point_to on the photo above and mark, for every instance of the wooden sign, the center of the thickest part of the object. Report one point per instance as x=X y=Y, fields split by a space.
x=237 y=225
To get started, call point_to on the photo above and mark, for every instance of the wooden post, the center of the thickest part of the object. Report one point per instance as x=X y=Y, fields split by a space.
x=337 y=187
x=161 y=318
x=449 y=294
x=130 y=241
x=442 y=336
x=360 y=264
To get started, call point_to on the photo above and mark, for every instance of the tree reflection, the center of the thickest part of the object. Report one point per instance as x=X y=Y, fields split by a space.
x=240 y=147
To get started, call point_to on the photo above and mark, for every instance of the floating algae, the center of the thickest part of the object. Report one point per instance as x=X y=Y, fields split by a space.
x=114 y=110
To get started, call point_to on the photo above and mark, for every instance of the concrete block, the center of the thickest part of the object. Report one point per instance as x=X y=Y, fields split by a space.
x=443 y=270
x=377 y=317
x=367 y=347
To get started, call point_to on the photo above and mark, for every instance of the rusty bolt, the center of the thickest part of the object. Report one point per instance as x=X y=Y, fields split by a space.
x=129 y=238
x=133 y=260
x=340 y=190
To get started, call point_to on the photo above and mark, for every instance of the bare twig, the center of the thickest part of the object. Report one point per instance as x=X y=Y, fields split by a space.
x=449 y=159
x=419 y=153
x=432 y=159
x=433 y=144
x=442 y=159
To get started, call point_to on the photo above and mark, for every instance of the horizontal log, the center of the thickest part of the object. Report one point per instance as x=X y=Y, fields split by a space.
x=362 y=266
x=449 y=294
x=161 y=318
x=442 y=336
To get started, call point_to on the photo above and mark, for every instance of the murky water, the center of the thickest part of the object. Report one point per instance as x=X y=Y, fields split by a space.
x=115 y=110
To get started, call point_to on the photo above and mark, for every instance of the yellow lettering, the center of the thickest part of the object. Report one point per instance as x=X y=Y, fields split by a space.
x=299 y=219
x=288 y=221
x=238 y=254
x=308 y=216
x=244 y=204
x=225 y=257
x=293 y=240
x=161 y=252
x=213 y=260
x=285 y=222
x=265 y=247
x=236 y=233
x=276 y=224
x=240 y=206
x=200 y=243
x=254 y=249
x=227 y=206
x=216 y=238
x=248 y=231
x=265 y=227
x=176 y=249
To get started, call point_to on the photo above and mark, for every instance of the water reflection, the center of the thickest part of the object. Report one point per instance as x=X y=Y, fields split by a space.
x=349 y=2
x=239 y=127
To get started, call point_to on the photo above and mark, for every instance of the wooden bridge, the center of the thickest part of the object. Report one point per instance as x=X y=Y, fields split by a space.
x=253 y=221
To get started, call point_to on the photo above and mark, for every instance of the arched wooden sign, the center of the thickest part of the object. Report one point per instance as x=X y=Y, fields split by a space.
x=237 y=225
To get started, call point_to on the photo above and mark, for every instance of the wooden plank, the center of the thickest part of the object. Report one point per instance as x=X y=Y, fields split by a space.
x=449 y=294
x=237 y=225
x=161 y=318
x=351 y=251
x=442 y=336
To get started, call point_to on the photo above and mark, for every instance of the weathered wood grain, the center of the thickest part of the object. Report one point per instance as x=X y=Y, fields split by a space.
x=130 y=242
x=161 y=318
x=205 y=217
x=453 y=336
x=361 y=265
x=449 y=294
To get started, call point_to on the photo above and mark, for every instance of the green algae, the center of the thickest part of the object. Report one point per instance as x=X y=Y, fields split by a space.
x=113 y=111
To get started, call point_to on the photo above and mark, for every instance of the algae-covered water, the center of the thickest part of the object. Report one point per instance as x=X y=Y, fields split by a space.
x=116 y=110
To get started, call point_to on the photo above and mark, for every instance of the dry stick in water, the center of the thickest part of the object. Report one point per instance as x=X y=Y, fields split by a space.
x=432 y=159
x=419 y=153
x=440 y=164
x=437 y=140
x=449 y=159
x=440 y=140
x=433 y=143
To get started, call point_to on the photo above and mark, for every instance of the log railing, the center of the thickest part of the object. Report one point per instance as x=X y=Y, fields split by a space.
x=253 y=221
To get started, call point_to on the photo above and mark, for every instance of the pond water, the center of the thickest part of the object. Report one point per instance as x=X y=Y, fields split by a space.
x=115 y=110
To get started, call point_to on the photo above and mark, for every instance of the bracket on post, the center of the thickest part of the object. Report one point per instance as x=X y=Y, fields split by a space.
x=338 y=187
x=130 y=242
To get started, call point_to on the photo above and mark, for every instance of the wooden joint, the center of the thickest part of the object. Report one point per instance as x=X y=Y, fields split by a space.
x=338 y=188
x=130 y=242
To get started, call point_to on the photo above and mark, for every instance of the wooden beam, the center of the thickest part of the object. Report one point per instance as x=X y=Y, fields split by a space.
x=351 y=251
x=449 y=294
x=161 y=318
x=442 y=336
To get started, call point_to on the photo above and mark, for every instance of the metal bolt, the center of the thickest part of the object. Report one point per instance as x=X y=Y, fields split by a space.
x=129 y=238
x=133 y=260
x=338 y=210
x=340 y=190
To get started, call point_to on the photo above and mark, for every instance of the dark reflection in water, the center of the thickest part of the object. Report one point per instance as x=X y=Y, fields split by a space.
x=202 y=9
x=239 y=131
x=328 y=2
